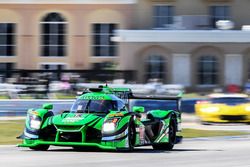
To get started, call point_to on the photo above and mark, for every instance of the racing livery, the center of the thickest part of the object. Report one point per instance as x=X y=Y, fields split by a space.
x=101 y=118
x=224 y=108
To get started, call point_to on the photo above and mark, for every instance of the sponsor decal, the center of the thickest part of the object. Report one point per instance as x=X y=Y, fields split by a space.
x=142 y=134
x=71 y=119
x=116 y=115
x=94 y=97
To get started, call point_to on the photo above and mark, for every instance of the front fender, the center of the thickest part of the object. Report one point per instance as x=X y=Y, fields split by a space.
x=121 y=121
x=34 y=120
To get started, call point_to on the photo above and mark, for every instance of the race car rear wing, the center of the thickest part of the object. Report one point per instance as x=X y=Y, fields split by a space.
x=160 y=97
x=155 y=97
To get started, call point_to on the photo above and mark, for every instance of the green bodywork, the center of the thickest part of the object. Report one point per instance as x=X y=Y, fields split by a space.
x=87 y=129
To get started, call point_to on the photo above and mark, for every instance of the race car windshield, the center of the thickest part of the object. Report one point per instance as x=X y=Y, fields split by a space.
x=93 y=106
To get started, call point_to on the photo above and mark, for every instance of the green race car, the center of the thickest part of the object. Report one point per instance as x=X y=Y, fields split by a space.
x=101 y=118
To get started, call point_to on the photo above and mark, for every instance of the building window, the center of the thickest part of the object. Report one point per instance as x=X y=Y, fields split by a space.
x=155 y=67
x=53 y=27
x=5 y=69
x=208 y=70
x=53 y=66
x=101 y=37
x=55 y=75
x=7 y=39
x=163 y=15
x=219 y=13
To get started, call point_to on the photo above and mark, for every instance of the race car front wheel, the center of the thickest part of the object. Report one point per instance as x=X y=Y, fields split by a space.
x=131 y=135
x=171 y=137
x=40 y=148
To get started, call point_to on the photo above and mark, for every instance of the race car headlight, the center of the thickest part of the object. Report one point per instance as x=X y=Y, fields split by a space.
x=35 y=124
x=108 y=127
x=247 y=108
x=210 y=109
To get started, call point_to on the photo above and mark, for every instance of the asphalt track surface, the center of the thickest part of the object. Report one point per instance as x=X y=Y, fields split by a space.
x=202 y=152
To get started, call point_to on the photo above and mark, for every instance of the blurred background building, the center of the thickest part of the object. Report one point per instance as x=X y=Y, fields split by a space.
x=196 y=43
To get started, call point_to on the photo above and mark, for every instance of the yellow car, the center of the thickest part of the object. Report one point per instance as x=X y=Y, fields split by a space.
x=224 y=108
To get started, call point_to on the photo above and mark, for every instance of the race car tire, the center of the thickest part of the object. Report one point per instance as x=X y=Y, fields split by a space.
x=131 y=135
x=40 y=148
x=172 y=138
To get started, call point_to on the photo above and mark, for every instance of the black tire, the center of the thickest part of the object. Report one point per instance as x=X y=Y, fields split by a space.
x=131 y=135
x=40 y=148
x=172 y=138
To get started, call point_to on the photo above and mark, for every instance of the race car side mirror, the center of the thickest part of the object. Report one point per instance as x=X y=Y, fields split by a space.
x=48 y=106
x=138 y=109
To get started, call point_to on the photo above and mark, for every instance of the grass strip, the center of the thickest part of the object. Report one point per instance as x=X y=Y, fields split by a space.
x=192 y=133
